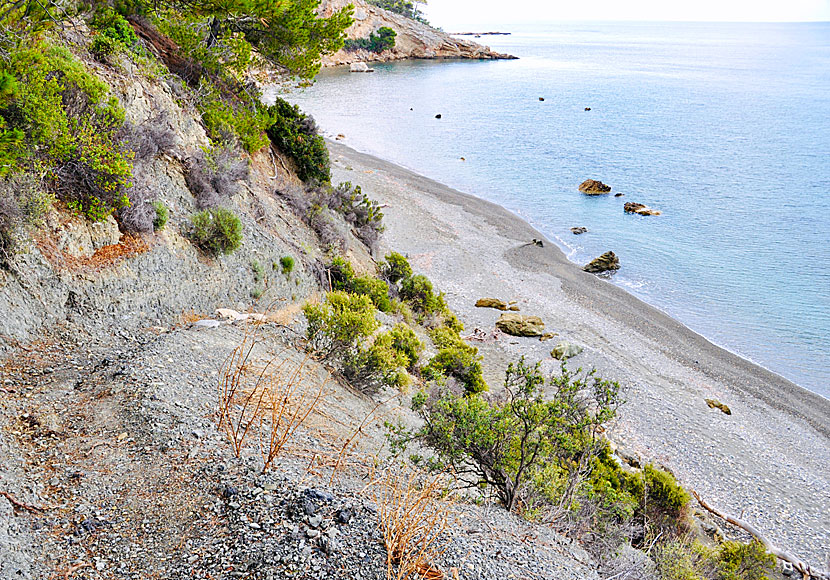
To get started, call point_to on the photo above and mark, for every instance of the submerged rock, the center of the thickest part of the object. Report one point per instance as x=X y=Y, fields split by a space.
x=518 y=325
x=579 y=230
x=565 y=350
x=594 y=187
x=639 y=209
x=715 y=404
x=491 y=303
x=605 y=262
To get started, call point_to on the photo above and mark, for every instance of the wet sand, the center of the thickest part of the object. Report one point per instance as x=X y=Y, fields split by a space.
x=769 y=460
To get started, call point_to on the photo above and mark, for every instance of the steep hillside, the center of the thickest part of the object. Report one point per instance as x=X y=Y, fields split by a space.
x=414 y=39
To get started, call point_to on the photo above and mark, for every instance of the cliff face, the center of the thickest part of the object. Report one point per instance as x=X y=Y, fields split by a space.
x=414 y=40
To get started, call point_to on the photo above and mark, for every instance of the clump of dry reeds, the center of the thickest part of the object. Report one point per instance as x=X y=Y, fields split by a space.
x=266 y=401
x=414 y=521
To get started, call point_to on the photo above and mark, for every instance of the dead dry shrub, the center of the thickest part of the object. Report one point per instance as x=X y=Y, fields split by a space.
x=213 y=176
x=413 y=519
x=264 y=401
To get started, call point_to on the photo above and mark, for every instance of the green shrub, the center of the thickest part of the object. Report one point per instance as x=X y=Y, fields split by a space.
x=162 y=214
x=259 y=271
x=228 y=123
x=341 y=274
x=381 y=363
x=58 y=116
x=296 y=135
x=404 y=340
x=680 y=559
x=395 y=268
x=112 y=26
x=338 y=326
x=375 y=289
x=403 y=7
x=665 y=496
x=382 y=39
x=287 y=264
x=540 y=423
x=104 y=47
x=216 y=231
x=457 y=359
x=417 y=290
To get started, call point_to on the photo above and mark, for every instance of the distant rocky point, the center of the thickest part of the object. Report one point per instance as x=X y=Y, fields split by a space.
x=413 y=40
x=481 y=33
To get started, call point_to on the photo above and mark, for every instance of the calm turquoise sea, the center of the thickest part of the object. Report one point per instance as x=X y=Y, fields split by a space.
x=723 y=127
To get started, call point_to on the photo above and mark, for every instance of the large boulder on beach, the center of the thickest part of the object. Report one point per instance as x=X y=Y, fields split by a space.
x=565 y=350
x=491 y=303
x=519 y=325
x=639 y=209
x=359 y=67
x=605 y=262
x=593 y=187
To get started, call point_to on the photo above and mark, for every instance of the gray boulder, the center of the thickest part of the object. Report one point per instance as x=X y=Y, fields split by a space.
x=565 y=350
x=519 y=325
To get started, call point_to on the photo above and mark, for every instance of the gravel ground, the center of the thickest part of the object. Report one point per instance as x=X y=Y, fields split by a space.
x=767 y=461
x=112 y=454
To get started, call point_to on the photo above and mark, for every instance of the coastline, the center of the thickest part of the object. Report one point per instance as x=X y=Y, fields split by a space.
x=768 y=458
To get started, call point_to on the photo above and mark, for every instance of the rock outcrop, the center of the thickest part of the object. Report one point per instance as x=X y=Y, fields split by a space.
x=360 y=67
x=607 y=261
x=413 y=40
x=565 y=350
x=593 y=187
x=519 y=325
x=491 y=303
x=639 y=209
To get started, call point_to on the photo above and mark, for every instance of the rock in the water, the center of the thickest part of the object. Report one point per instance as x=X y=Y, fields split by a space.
x=593 y=187
x=491 y=303
x=340 y=137
x=359 y=67
x=518 y=325
x=587 y=108
x=579 y=230
x=541 y=98
x=607 y=261
x=438 y=116
x=638 y=208
x=619 y=194
x=565 y=350
x=715 y=404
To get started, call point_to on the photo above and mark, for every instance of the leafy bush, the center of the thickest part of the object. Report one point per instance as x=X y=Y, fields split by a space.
x=539 y=423
x=683 y=560
x=287 y=264
x=58 y=115
x=338 y=326
x=113 y=27
x=418 y=291
x=382 y=39
x=357 y=209
x=455 y=359
x=228 y=122
x=216 y=231
x=376 y=290
x=212 y=175
x=296 y=135
x=104 y=47
x=405 y=341
x=162 y=213
x=395 y=268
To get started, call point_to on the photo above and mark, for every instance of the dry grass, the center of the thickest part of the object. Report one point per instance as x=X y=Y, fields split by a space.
x=413 y=520
x=266 y=402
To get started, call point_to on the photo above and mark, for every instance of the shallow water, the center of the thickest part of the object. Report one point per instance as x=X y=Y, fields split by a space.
x=725 y=128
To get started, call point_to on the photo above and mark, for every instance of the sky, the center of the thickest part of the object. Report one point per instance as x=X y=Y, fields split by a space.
x=458 y=14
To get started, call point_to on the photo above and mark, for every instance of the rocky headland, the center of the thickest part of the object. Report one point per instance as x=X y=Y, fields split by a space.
x=414 y=39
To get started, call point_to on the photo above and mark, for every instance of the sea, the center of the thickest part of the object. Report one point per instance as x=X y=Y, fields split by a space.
x=724 y=128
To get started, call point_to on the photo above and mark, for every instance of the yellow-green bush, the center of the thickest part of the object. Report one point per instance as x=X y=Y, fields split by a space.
x=456 y=359
x=216 y=231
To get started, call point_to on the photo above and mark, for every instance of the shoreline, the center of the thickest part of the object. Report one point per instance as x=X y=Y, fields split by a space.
x=768 y=458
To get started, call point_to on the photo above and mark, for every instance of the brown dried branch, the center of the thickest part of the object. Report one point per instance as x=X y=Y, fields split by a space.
x=806 y=570
x=19 y=504
x=413 y=520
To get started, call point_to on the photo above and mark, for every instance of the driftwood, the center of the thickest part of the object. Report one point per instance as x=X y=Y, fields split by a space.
x=806 y=570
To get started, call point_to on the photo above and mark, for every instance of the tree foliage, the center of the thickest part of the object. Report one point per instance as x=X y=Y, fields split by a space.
x=503 y=442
